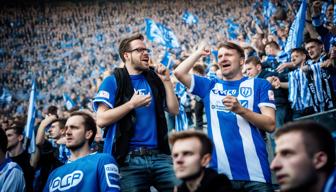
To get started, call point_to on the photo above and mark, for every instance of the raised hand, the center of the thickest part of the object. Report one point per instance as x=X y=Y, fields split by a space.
x=49 y=118
x=283 y=66
x=162 y=72
x=203 y=49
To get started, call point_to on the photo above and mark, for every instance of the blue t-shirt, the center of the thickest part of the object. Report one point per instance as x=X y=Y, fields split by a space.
x=240 y=150
x=145 y=132
x=94 y=172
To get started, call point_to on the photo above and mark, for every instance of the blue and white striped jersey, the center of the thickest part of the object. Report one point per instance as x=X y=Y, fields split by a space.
x=299 y=95
x=240 y=150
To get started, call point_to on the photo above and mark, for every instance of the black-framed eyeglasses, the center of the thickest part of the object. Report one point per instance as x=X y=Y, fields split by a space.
x=140 y=50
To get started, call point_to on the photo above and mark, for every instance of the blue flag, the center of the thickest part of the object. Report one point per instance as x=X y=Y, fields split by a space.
x=189 y=18
x=181 y=120
x=161 y=34
x=215 y=54
x=232 y=29
x=334 y=20
x=169 y=36
x=153 y=33
x=166 y=60
x=68 y=102
x=295 y=36
x=30 y=128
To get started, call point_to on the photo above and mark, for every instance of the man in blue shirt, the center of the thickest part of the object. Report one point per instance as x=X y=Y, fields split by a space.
x=130 y=107
x=84 y=171
x=305 y=157
x=237 y=109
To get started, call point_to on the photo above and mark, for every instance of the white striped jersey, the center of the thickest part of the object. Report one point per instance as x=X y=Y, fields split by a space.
x=239 y=147
x=299 y=95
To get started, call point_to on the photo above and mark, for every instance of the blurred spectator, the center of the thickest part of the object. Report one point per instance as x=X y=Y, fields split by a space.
x=191 y=152
x=18 y=154
x=11 y=175
x=305 y=157
x=50 y=154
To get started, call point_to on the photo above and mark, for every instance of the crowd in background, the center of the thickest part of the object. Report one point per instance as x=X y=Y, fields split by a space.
x=68 y=47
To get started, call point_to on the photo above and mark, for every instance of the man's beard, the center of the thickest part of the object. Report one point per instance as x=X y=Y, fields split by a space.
x=76 y=147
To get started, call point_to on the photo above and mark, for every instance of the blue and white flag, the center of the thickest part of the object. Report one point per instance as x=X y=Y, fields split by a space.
x=30 y=128
x=169 y=36
x=166 y=61
x=268 y=10
x=334 y=20
x=5 y=96
x=181 y=120
x=295 y=37
x=189 y=18
x=153 y=33
x=232 y=29
x=215 y=54
x=68 y=102
x=161 y=34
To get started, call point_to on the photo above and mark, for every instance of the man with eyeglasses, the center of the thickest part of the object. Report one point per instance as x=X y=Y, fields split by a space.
x=130 y=107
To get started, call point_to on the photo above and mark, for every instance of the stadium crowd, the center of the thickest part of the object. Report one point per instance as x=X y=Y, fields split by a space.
x=69 y=48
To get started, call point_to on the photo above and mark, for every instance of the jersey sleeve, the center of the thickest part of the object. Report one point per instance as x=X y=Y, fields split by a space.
x=108 y=174
x=200 y=85
x=106 y=93
x=266 y=94
x=14 y=181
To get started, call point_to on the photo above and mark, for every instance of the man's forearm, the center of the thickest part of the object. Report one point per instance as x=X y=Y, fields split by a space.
x=182 y=71
x=107 y=116
x=261 y=121
x=171 y=98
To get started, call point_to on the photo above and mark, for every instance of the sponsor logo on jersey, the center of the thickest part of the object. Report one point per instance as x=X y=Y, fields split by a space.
x=111 y=175
x=245 y=91
x=103 y=94
x=244 y=103
x=232 y=92
x=141 y=91
x=66 y=182
x=219 y=106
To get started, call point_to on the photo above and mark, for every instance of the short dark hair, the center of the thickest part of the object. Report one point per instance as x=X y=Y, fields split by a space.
x=17 y=126
x=206 y=144
x=89 y=123
x=299 y=50
x=3 y=141
x=230 y=45
x=316 y=137
x=313 y=40
x=254 y=60
x=125 y=44
x=215 y=65
x=199 y=69
x=61 y=122
x=52 y=110
x=273 y=44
